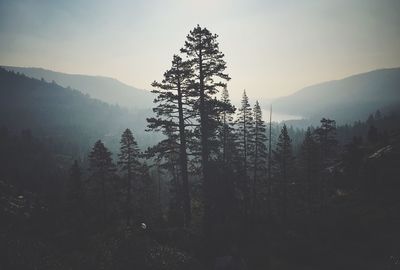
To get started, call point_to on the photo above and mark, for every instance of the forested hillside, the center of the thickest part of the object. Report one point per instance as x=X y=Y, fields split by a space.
x=345 y=100
x=64 y=115
x=102 y=88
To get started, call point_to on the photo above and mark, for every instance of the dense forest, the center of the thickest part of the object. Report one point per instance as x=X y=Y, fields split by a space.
x=208 y=185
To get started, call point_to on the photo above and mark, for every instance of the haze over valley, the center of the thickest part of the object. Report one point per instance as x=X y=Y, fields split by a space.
x=347 y=100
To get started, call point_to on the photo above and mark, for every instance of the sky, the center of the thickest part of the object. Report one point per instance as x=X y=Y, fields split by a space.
x=272 y=48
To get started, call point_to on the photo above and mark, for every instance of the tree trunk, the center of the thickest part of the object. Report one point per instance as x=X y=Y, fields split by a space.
x=204 y=150
x=184 y=162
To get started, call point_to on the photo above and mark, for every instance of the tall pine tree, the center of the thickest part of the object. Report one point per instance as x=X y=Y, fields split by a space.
x=173 y=113
x=129 y=165
x=309 y=167
x=202 y=49
x=283 y=156
x=244 y=127
x=259 y=152
x=226 y=128
x=326 y=139
x=102 y=173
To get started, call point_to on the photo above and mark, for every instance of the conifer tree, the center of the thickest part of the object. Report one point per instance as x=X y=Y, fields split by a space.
x=269 y=181
x=309 y=166
x=146 y=197
x=284 y=164
x=326 y=139
x=129 y=165
x=225 y=162
x=102 y=173
x=226 y=129
x=202 y=49
x=173 y=112
x=166 y=154
x=244 y=124
x=259 y=150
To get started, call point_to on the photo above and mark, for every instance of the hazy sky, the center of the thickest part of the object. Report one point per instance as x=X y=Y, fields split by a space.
x=272 y=48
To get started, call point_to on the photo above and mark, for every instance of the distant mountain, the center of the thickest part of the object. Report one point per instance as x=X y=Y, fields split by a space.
x=105 y=89
x=66 y=116
x=346 y=100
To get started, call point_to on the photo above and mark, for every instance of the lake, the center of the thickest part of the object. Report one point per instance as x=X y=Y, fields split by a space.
x=279 y=117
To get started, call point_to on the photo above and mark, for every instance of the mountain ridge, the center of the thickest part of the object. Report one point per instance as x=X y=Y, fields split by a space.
x=107 y=89
x=66 y=115
x=348 y=99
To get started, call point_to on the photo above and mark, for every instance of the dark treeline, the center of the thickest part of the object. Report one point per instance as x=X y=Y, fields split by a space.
x=223 y=188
